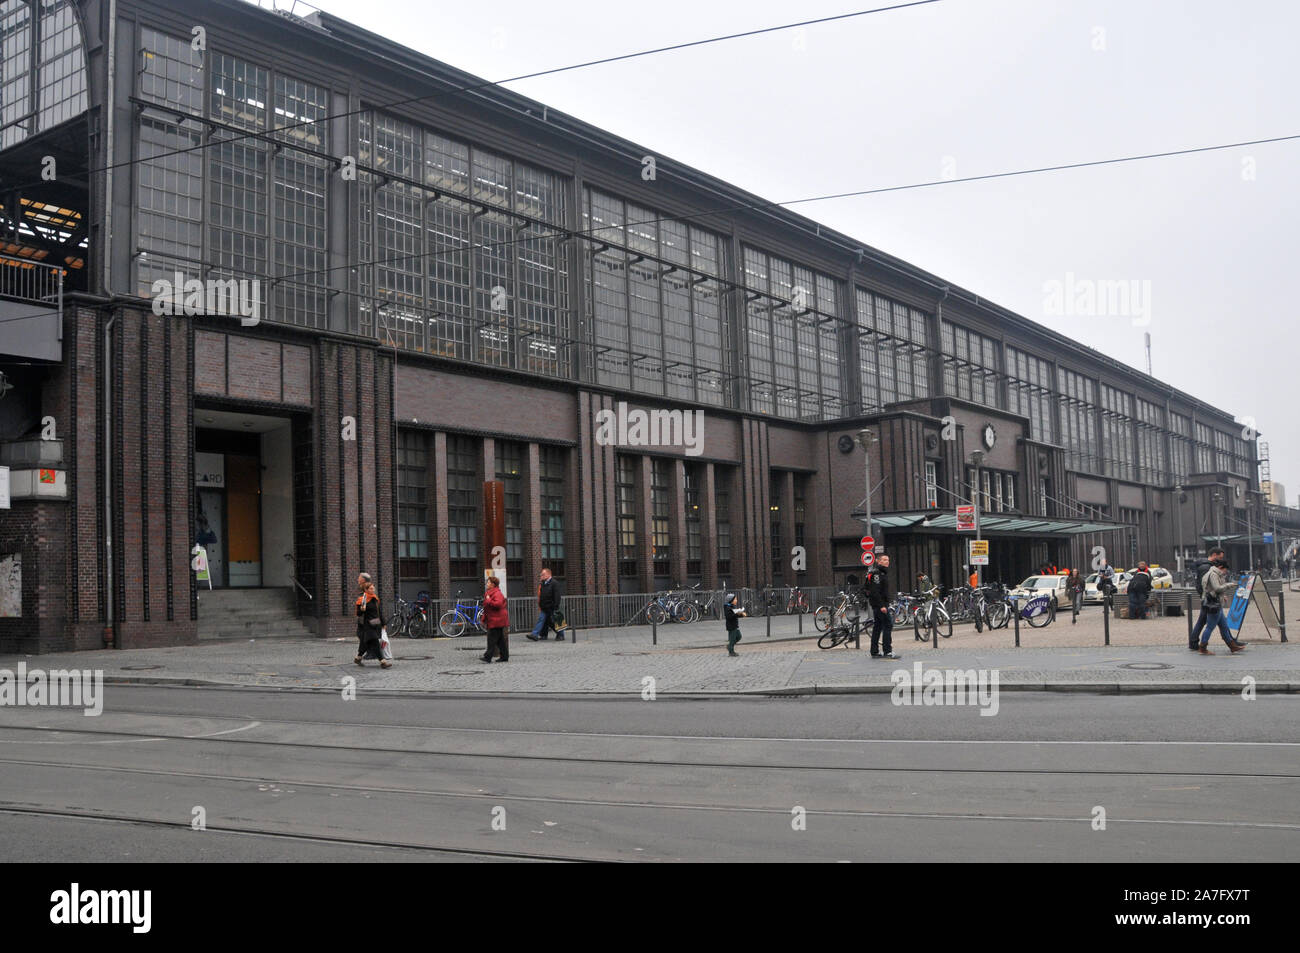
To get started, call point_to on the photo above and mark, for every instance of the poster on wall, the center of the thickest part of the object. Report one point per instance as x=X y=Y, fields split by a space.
x=11 y=586
x=209 y=522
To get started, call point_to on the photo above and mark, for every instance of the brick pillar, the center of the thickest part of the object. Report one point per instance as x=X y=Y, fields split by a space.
x=441 y=543
x=677 y=522
x=532 y=517
x=709 y=529
x=645 y=526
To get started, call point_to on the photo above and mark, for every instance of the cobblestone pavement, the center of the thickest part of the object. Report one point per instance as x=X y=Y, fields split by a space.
x=692 y=659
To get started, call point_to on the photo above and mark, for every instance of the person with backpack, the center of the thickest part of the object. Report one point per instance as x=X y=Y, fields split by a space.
x=1139 y=588
x=1217 y=584
x=878 y=598
x=732 y=613
x=369 y=623
x=1199 y=569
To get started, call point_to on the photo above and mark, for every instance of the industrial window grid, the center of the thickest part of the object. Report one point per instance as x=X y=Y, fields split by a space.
x=1118 y=453
x=893 y=342
x=412 y=505
x=774 y=520
x=970 y=365
x=791 y=339
x=464 y=495
x=625 y=504
x=800 y=491
x=15 y=72
x=1077 y=404
x=61 y=67
x=931 y=483
x=1031 y=387
x=552 y=461
x=510 y=471
x=654 y=301
x=722 y=517
x=660 y=513
x=693 y=486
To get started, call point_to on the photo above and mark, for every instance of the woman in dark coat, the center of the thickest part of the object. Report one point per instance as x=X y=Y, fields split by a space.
x=496 y=619
x=733 y=613
x=369 y=623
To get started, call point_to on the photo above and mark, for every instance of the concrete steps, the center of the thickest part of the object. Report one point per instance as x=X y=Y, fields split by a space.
x=250 y=614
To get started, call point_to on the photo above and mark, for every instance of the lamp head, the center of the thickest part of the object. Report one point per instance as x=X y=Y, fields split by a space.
x=865 y=439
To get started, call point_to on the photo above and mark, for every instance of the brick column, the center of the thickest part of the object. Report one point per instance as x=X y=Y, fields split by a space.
x=440 y=547
x=709 y=529
x=677 y=522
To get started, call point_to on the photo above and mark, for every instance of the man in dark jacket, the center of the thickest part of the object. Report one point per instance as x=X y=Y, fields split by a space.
x=879 y=597
x=1198 y=573
x=1139 y=587
x=548 y=600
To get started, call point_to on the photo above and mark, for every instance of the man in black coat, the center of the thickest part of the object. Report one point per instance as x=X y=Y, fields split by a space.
x=878 y=597
x=548 y=600
x=1139 y=587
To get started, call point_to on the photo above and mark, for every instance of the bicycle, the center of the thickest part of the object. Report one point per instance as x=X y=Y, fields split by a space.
x=798 y=602
x=455 y=621
x=768 y=601
x=1039 y=611
x=664 y=607
x=841 y=634
x=829 y=616
x=411 y=620
x=931 y=618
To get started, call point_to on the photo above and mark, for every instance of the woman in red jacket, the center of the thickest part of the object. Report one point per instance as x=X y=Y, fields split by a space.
x=496 y=619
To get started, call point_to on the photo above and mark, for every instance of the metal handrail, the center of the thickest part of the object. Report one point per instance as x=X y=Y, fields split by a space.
x=22 y=279
x=294 y=577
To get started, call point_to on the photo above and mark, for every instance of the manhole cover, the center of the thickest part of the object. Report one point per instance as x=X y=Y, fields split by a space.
x=1146 y=666
x=139 y=668
x=411 y=658
x=630 y=653
x=462 y=672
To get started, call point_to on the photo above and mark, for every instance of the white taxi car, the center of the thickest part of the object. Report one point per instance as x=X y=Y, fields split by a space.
x=1055 y=586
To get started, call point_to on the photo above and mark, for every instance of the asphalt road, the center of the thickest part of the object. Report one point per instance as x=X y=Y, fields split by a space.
x=285 y=776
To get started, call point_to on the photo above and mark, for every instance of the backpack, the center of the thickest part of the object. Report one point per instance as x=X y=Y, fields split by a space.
x=1201 y=568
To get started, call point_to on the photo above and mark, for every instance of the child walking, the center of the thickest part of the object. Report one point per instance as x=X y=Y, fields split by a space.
x=733 y=613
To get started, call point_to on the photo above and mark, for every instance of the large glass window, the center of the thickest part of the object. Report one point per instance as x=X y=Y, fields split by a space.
x=1031 y=385
x=1180 y=446
x=552 y=498
x=892 y=348
x=654 y=301
x=510 y=469
x=722 y=519
x=464 y=500
x=1118 y=453
x=693 y=489
x=1204 y=448
x=970 y=365
x=1152 y=461
x=1078 y=408
x=661 y=513
x=625 y=511
x=61 y=69
x=412 y=505
x=791 y=339
x=15 y=72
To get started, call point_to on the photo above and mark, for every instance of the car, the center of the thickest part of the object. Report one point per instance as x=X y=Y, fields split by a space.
x=1054 y=586
x=1160 y=579
x=1092 y=596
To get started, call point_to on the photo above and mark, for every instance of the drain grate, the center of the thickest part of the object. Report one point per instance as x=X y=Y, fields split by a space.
x=139 y=668
x=629 y=653
x=462 y=672
x=1146 y=666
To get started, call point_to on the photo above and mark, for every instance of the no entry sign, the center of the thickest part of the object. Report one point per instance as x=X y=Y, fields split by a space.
x=868 y=544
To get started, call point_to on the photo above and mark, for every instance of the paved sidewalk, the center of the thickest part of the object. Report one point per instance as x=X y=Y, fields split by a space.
x=621 y=664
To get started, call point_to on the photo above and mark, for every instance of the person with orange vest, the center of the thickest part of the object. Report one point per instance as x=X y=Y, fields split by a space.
x=369 y=622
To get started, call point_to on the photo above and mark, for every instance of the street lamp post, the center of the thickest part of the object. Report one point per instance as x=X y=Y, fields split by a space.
x=865 y=439
x=1250 y=530
x=977 y=458
x=1178 y=519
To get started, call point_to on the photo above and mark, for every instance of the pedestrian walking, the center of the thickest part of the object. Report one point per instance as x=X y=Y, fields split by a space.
x=879 y=597
x=1139 y=587
x=733 y=614
x=548 y=601
x=496 y=619
x=369 y=623
x=1198 y=574
x=1217 y=583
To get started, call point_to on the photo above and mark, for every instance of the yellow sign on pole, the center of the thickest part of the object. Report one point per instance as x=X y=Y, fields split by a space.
x=979 y=552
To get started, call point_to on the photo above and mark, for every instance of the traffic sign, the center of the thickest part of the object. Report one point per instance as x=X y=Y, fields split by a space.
x=868 y=558
x=1268 y=537
x=868 y=544
x=965 y=518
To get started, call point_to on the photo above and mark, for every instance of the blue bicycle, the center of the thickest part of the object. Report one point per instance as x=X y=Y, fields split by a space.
x=454 y=622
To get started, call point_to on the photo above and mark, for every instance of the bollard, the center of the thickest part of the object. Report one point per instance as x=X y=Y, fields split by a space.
x=1188 y=610
x=1016 y=610
x=936 y=641
x=801 y=623
x=1106 y=623
x=768 y=617
x=1281 y=613
x=654 y=633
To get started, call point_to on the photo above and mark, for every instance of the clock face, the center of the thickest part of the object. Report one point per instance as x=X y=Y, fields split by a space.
x=990 y=436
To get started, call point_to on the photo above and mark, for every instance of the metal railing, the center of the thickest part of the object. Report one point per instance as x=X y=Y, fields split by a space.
x=25 y=280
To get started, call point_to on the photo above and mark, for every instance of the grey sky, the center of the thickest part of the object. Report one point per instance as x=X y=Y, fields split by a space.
x=968 y=87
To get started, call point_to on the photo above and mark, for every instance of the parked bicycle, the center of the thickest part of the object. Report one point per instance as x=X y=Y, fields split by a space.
x=835 y=613
x=462 y=616
x=841 y=634
x=767 y=601
x=670 y=605
x=798 y=602
x=931 y=618
x=410 y=621
x=1039 y=611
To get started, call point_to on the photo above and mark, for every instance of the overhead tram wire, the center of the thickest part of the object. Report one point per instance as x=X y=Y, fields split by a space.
x=564 y=233
x=489 y=84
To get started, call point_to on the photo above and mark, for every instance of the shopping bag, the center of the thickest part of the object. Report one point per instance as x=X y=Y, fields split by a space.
x=385 y=650
x=558 y=618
